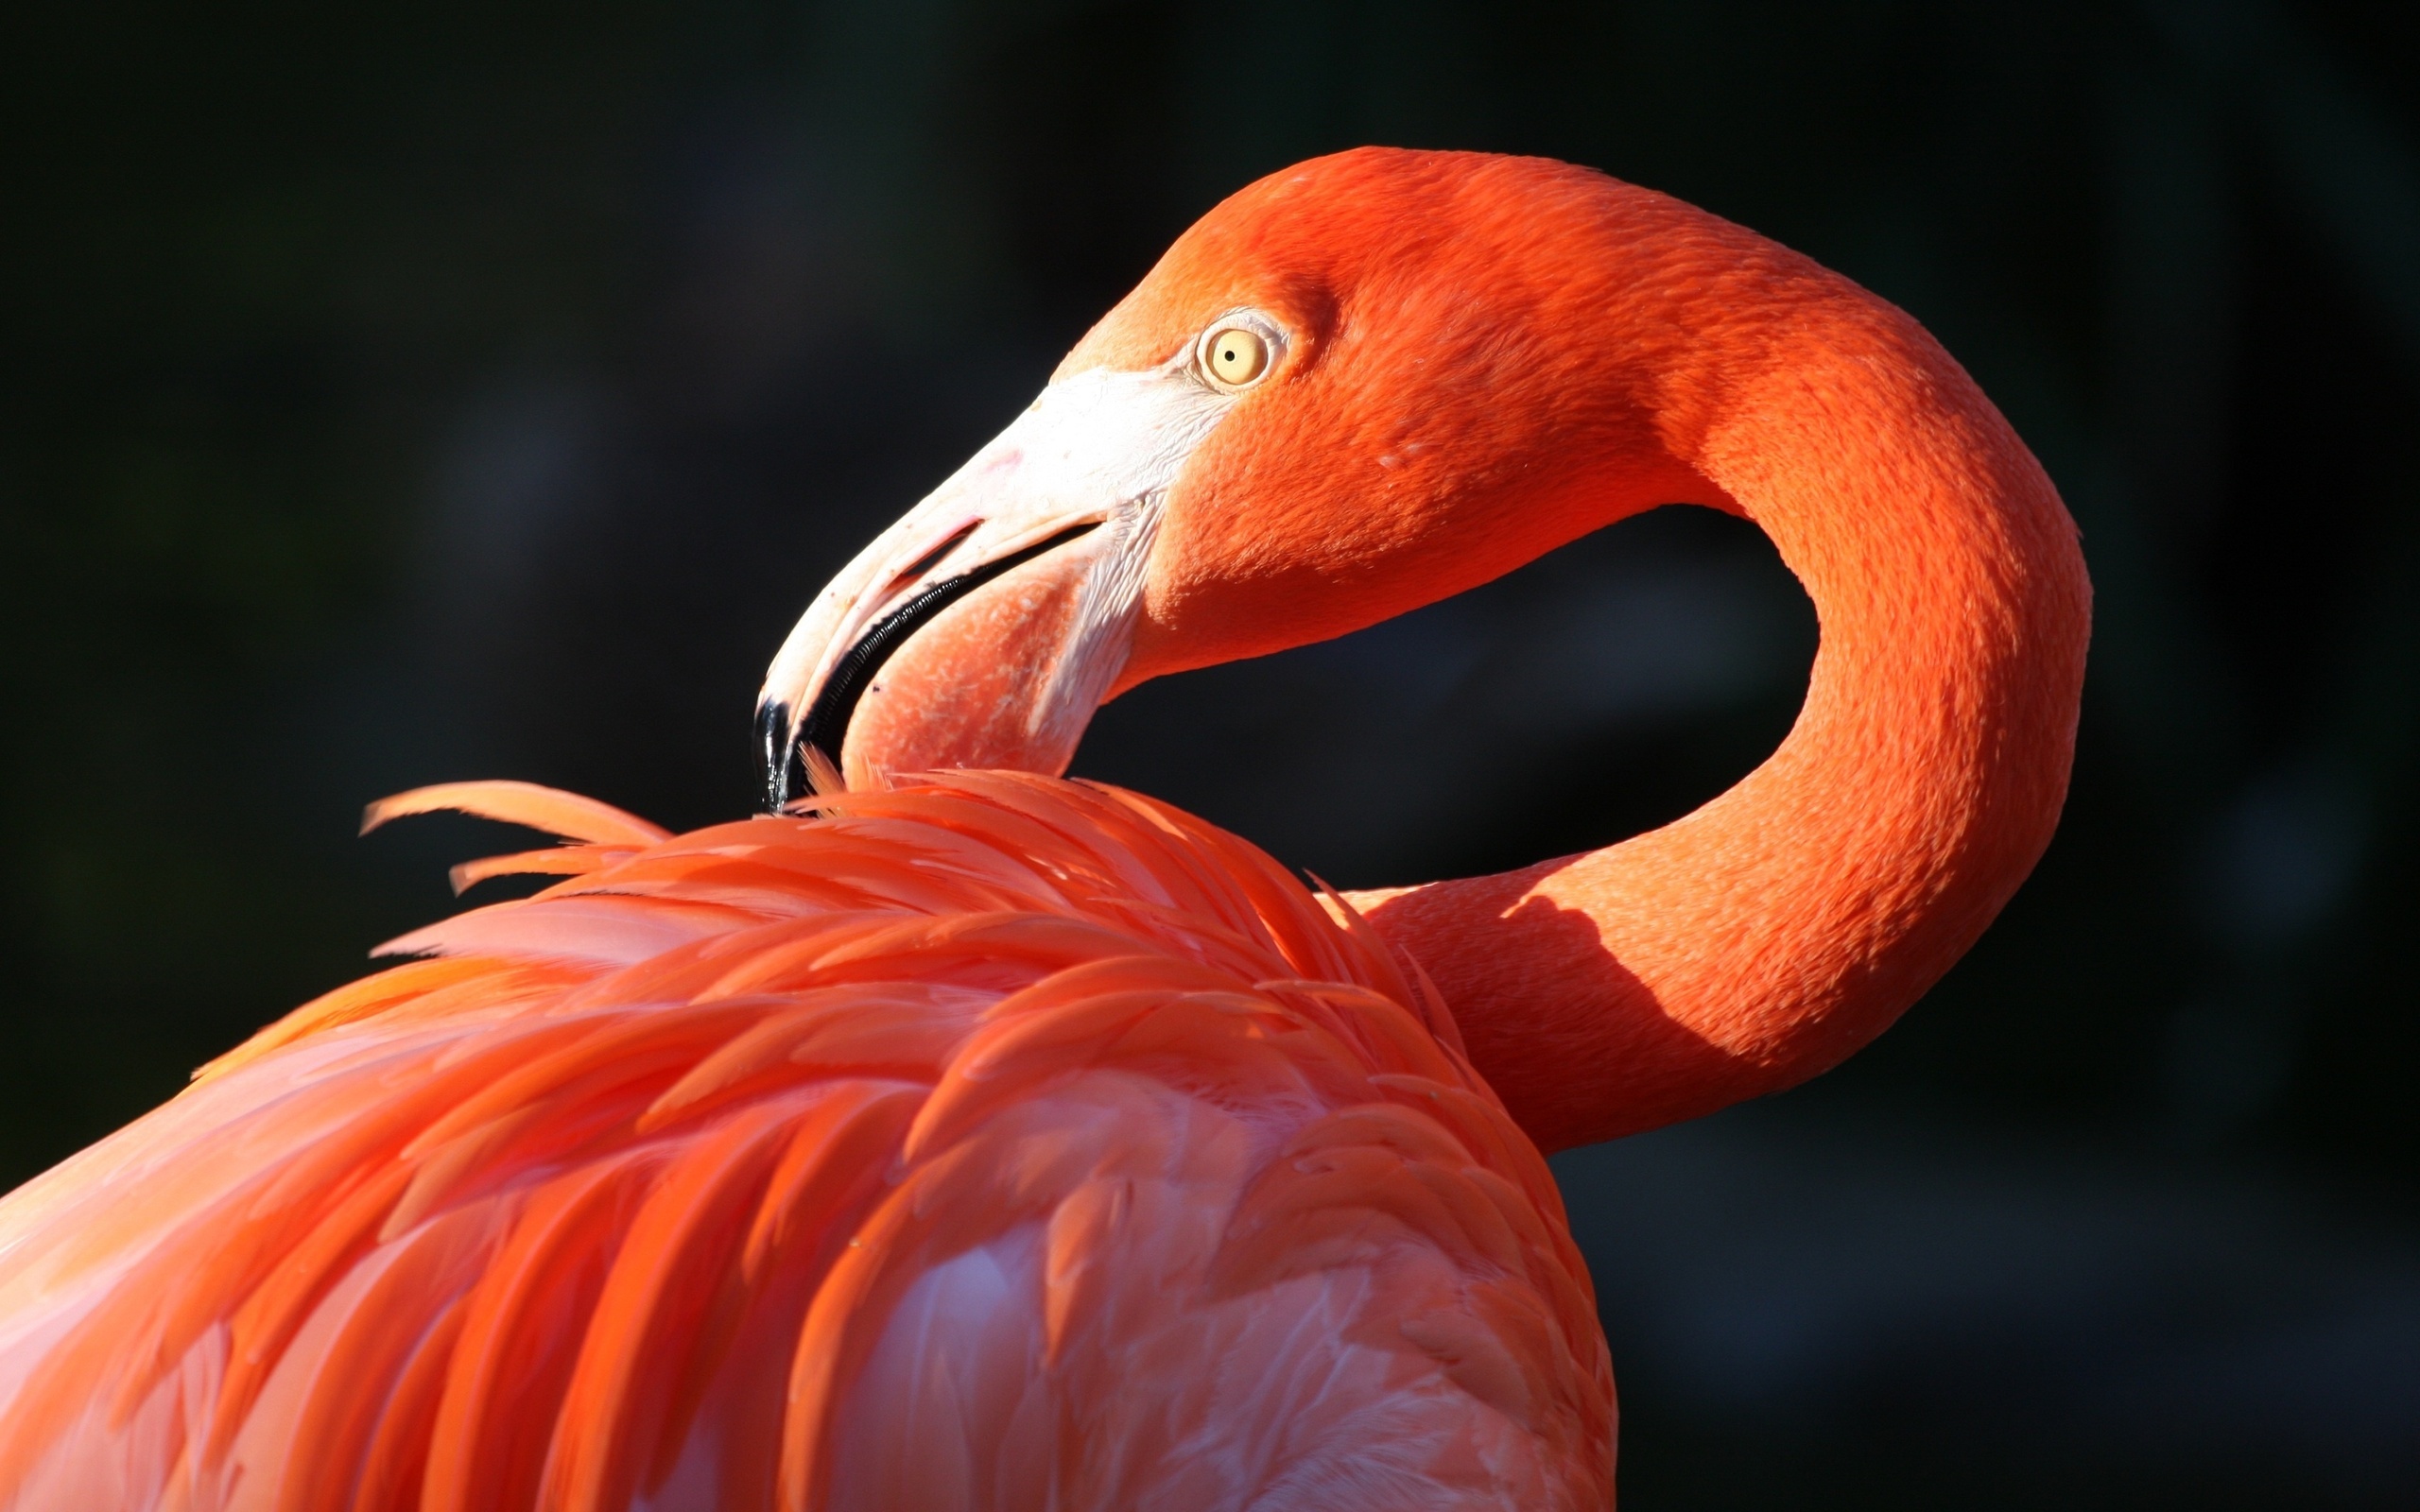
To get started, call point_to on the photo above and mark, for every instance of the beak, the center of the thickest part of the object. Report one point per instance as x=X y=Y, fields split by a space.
x=985 y=627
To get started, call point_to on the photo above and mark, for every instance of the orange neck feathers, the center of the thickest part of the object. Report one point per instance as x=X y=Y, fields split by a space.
x=1473 y=360
x=1765 y=938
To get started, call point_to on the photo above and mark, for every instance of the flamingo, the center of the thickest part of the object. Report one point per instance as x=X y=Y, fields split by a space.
x=958 y=1136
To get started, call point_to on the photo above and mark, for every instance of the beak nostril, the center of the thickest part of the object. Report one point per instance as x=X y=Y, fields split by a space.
x=932 y=558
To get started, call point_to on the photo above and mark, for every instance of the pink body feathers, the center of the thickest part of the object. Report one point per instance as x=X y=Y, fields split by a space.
x=1055 y=1149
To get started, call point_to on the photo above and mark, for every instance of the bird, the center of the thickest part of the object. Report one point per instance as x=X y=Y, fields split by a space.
x=957 y=1135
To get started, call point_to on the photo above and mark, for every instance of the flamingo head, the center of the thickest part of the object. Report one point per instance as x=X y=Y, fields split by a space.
x=1356 y=386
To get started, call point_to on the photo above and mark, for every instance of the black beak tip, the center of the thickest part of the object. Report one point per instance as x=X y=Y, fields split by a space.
x=777 y=764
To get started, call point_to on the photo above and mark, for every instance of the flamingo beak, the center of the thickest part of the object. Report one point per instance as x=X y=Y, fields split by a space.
x=985 y=627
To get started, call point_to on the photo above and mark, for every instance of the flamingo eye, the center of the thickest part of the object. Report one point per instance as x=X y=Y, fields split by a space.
x=1235 y=355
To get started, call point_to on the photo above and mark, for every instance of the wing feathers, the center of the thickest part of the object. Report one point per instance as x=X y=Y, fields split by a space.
x=1001 y=1144
x=555 y=812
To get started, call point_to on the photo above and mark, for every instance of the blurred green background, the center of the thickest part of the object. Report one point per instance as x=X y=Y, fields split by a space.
x=396 y=393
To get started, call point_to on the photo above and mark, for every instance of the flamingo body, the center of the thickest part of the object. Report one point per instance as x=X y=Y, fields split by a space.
x=1000 y=1143
x=1003 y=1142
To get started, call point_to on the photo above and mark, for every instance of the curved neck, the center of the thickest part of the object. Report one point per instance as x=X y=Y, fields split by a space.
x=1764 y=938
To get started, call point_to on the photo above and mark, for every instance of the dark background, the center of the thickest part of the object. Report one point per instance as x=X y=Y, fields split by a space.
x=396 y=392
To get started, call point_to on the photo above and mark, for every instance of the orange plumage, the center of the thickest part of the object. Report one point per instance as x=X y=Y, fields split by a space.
x=697 y=1180
x=998 y=1141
